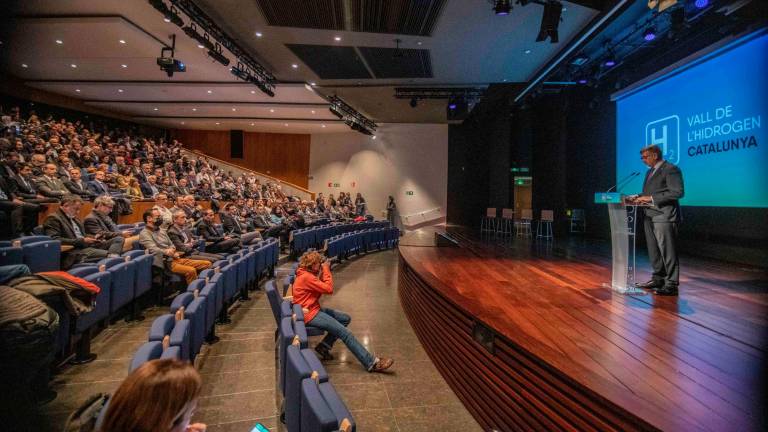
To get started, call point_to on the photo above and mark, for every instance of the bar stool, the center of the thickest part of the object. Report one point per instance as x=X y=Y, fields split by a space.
x=489 y=221
x=507 y=221
x=523 y=225
x=544 y=227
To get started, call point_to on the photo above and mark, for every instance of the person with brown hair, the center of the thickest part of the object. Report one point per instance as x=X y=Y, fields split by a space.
x=313 y=279
x=159 y=396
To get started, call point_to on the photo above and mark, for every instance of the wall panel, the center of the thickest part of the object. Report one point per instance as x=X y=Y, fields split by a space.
x=284 y=156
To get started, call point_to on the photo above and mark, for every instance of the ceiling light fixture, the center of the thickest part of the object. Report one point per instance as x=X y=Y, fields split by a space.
x=253 y=91
x=502 y=7
x=210 y=91
x=322 y=125
x=234 y=109
x=154 y=109
x=271 y=110
x=285 y=124
x=59 y=41
x=313 y=111
x=527 y=51
x=119 y=90
x=313 y=84
x=337 y=38
x=24 y=65
x=258 y=34
x=295 y=66
x=194 y=109
x=203 y=41
x=218 y=123
x=649 y=34
x=124 y=66
x=252 y=124
x=122 y=41
x=182 y=123
x=218 y=56
x=77 y=90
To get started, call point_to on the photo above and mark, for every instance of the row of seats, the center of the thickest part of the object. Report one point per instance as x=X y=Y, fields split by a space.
x=304 y=239
x=310 y=401
x=366 y=240
x=39 y=253
x=193 y=314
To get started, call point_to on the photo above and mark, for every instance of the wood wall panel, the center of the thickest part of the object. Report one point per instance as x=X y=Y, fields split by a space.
x=284 y=156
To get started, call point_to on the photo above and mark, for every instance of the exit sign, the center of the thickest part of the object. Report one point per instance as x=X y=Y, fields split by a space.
x=409 y=192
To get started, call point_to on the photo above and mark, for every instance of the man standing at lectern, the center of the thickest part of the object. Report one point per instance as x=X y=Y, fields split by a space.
x=662 y=188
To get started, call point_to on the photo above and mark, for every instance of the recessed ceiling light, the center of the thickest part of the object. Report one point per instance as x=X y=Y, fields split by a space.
x=182 y=122
x=123 y=66
x=295 y=66
x=285 y=124
x=24 y=65
x=322 y=125
x=418 y=43
x=252 y=124
x=122 y=41
x=313 y=83
x=253 y=91
x=210 y=91
x=201 y=46
x=194 y=109
x=271 y=110
x=167 y=19
x=77 y=90
x=218 y=123
x=119 y=90
x=258 y=34
x=337 y=38
x=527 y=51
x=373 y=137
x=313 y=111
x=73 y=65
x=234 y=109
x=155 y=109
x=504 y=80
x=565 y=9
x=59 y=41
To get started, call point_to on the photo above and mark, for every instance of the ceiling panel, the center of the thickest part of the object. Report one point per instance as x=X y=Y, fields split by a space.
x=406 y=17
x=273 y=126
x=331 y=62
x=398 y=62
x=221 y=110
x=315 y=14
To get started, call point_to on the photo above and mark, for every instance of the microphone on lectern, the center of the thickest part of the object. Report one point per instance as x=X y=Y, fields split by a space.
x=624 y=181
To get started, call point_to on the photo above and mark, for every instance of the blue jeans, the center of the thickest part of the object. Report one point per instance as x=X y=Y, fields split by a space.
x=13 y=271
x=335 y=324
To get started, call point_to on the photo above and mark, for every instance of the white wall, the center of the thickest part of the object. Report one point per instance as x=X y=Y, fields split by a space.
x=403 y=157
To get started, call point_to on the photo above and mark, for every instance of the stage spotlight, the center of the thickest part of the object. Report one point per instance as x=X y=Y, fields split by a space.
x=649 y=34
x=502 y=7
x=335 y=111
x=191 y=31
x=701 y=4
x=583 y=81
x=239 y=72
x=610 y=62
x=550 y=20
x=414 y=102
x=218 y=56
x=173 y=16
x=457 y=108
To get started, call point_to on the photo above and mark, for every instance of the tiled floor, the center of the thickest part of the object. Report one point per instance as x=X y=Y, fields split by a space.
x=239 y=372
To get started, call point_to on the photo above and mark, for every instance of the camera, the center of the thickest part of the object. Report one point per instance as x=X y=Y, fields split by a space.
x=171 y=65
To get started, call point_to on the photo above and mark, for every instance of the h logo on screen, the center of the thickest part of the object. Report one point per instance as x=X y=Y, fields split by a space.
x=665 y=133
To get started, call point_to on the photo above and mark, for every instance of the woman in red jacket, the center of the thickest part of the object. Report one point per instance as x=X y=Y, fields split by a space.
x=313 y=279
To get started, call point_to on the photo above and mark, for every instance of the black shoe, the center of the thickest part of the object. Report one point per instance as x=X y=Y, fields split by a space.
x=324 y=352
x=651 y=284
x=668 y=290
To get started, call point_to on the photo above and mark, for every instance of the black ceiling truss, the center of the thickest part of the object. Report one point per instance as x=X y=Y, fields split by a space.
x=469 y=94
x=351 y=116
x=250 y=69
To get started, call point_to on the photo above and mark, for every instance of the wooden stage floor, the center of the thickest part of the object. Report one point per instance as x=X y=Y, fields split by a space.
x=571 y=354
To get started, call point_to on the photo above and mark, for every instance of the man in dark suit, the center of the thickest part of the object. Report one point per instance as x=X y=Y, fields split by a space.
x=78 y=186
x=215 y=241
x=185 y=242
x=230 y=220
x=99 y=225
x=182 y=189
x=49 y=184
x=26 y=188
x=22 y=215
x=63 y=225
x=662 y=188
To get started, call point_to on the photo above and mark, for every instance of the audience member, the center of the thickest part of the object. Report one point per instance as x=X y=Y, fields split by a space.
x=185 y=242
x=159 y=396
x=216 y=242
x=313 y=279
x=99 y=225
x=156 y=241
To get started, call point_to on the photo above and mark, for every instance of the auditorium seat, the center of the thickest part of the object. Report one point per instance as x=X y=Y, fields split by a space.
x=297 y=368
x=40 y=253
x=85 y=323
x=11 y=254
x=144 y=263
x=123 y=282
x=154 y=350
x=322 y=410
x=286 y=336
x=187 y=306
x=176 y=328
x=298 y=315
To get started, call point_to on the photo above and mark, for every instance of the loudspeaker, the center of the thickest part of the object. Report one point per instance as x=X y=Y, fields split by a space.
x=236 y=144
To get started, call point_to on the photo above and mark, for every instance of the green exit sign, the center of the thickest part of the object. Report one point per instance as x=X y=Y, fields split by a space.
x=409 y=192
x=521 y=170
